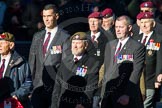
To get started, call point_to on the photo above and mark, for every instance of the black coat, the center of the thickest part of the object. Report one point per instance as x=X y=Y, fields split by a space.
x=152 y=60
x=65 y=94
x=123 y=78
x=98 y=47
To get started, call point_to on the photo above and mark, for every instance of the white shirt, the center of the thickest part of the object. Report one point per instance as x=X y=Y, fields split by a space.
x=147 y=39
x=53 y=33
x=78 y=57
x=123 y=43
x=96 y=35
x=140 y=32
x=7 y=59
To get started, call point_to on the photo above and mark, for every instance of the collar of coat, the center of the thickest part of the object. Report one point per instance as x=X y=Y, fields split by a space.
x=15 y=59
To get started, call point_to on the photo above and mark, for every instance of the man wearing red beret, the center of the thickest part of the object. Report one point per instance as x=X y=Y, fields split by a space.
x=97 y=37
x=108 y=19
x=97 y=42
x=153 y=41
x=147 y=7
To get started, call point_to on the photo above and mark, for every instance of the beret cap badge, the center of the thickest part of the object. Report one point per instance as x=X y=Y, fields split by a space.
x=77 y=37
x=145 y=4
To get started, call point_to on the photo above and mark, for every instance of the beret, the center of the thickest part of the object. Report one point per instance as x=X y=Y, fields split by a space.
x=107 y=13
x=7 y=36
x=79 y=36
x=94 y=15
x=146 y=4
x=145 y=15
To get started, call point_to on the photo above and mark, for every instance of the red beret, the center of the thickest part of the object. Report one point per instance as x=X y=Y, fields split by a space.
x=145 y=15
x=94 y=15
x=139 y=16
x=146 y=4
x=107 y=12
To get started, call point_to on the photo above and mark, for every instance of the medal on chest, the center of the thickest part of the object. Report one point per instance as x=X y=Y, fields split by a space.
x=81 y=71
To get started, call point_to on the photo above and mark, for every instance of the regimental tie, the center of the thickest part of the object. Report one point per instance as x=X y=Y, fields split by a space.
x=144 y=40
x=93 y=38
x=46 y=44
x=2 y=68
x=76 y=59
x=117 y=52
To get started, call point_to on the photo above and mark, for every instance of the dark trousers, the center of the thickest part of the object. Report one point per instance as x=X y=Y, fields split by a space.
x=41 y=98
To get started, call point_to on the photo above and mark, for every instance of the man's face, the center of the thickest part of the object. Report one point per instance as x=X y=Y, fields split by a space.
x=78 y=47
x=122 y=29
x=5 y=47
x=50 y=18
x=147 y=25
x=93 y=24
x=107 y=23
x=146 y=9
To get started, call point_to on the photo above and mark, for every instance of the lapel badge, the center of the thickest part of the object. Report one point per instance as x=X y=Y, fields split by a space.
x=150 y=52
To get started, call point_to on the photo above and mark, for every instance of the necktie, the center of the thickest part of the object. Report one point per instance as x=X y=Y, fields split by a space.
x=144 y=40
x=2 y=68
x=93 y=38
x=75 y=59
x=46 y=43
x=117 y=51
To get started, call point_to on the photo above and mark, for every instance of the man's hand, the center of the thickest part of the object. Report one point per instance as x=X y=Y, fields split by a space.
x=157 y=84
x=124 y=100
x=15 y=97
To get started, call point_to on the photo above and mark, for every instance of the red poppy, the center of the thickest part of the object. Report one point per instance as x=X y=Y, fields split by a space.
x=14 y=103
x=2 y=36
x=151 y=40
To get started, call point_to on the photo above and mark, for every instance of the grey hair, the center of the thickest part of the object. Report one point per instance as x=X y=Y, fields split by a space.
x=127 y=19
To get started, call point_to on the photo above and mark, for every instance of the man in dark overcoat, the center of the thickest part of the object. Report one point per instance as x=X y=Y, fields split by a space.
x=124 y=60
x=77 y=77
x=152 y=40
x=45 y=56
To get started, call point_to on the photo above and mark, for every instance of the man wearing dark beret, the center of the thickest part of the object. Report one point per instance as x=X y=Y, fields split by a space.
x=15 y=73
x=152 y=41
x=77 y=76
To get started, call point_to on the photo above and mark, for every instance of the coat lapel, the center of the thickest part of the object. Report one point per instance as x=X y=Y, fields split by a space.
x=100 y=39
x=153 y=37
x=139 y=38
x=41 y=45
x=113 y=47
x=7 y=73
x=126 y=47
x=9 y=66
